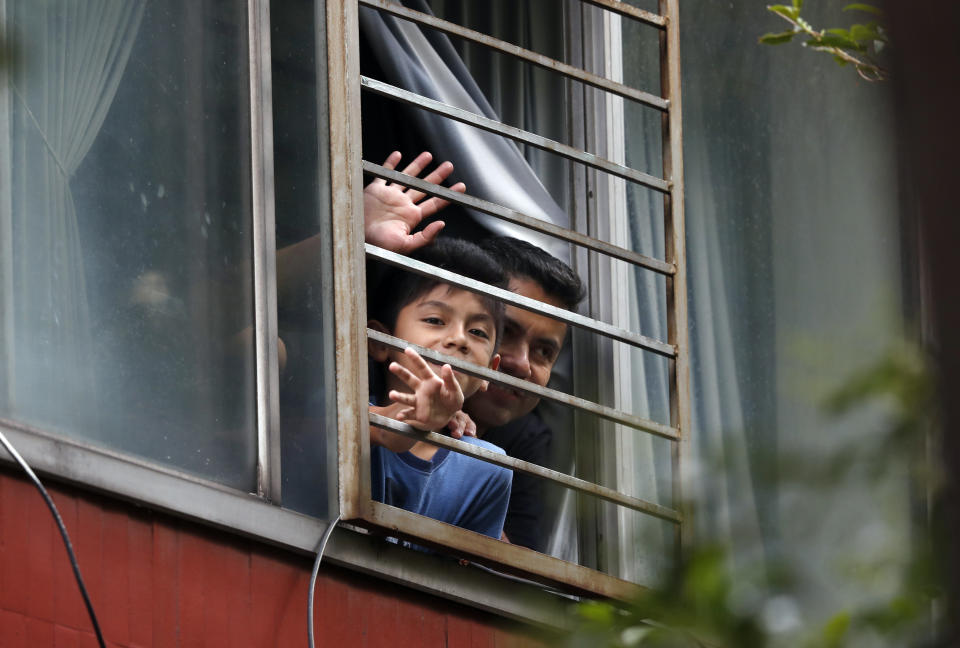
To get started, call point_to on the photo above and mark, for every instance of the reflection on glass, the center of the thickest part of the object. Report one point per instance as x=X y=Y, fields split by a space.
x=127 y=276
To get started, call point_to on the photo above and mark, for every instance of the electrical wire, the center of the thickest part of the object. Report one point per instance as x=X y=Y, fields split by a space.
x=63 y=533
x=313 y=576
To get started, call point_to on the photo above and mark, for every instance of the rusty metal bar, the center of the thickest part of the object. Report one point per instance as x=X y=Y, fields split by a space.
x=518 y=134
x=622 y=8
x=518 y=218
x=529 y=56
x=674 y=232
x=608 y=413
x=346 y=197
x=483 y=454
x=501 y=556
x=513 y=299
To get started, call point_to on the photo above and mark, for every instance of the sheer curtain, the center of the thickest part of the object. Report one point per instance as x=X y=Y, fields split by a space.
x=65 y=76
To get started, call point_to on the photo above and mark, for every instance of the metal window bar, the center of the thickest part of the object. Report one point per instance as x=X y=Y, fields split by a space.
x=483 y=454
x=622 y=8
x=513 y=299
x=608 y=413
x=518 y=218
x=486 y=549
x=540 y=60
x=518 y=134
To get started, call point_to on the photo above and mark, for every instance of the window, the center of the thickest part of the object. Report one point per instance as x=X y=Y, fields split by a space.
x=395 y=31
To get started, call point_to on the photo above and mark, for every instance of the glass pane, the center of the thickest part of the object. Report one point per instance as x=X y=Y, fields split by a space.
x=127 y=276
x=304 y=269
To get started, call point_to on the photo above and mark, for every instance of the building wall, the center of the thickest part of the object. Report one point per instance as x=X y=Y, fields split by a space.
x=159 y=581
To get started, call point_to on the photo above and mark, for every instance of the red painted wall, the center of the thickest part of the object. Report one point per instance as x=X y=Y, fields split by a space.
x=158 y=581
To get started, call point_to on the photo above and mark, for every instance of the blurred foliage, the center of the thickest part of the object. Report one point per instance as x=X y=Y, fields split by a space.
x=860 y=45
x=706 y=602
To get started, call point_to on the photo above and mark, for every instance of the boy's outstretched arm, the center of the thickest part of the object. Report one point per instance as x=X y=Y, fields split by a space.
x=391 y=211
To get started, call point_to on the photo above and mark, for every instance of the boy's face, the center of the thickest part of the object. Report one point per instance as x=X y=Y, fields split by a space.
x=452 y=321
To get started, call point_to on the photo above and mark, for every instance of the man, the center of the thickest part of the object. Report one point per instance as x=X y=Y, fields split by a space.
x=530 y=346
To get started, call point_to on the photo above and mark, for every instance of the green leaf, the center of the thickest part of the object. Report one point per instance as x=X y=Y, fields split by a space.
x=839 y=32
x=861 y=6
x=598 y=612
x=783 y=10
x=777 y=39
x=798 y=5
x=863 y=33
x=831 y=40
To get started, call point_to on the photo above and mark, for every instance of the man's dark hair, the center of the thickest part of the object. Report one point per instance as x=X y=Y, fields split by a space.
x=521 y=259
x=396 y=287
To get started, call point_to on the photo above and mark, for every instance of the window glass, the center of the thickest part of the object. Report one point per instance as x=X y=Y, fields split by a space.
x=127 y=274
x=304 y=270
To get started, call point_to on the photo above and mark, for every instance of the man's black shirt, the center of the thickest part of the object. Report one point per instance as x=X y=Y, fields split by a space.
x=528 y=439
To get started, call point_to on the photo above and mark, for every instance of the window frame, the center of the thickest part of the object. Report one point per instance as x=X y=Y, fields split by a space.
x=353 y=421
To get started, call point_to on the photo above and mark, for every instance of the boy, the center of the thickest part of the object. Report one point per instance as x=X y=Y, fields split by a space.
x=417 y=476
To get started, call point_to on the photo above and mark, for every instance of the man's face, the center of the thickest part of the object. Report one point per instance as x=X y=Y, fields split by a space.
x=530 y=346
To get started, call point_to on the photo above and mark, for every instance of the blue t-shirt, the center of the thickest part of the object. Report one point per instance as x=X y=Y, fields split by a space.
x=451 y=487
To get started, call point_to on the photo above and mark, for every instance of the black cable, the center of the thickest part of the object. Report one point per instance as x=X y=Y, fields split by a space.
x=63 y=533
x=313 y=576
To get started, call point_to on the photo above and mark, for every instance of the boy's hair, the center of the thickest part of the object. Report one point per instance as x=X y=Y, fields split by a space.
x=521 y=259
x=397 y=287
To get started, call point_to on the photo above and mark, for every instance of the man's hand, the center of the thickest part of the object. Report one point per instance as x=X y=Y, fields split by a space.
x=391 y=211
x=435 y=399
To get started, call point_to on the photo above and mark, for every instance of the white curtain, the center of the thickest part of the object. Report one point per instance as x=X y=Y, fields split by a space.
x=70 y=61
